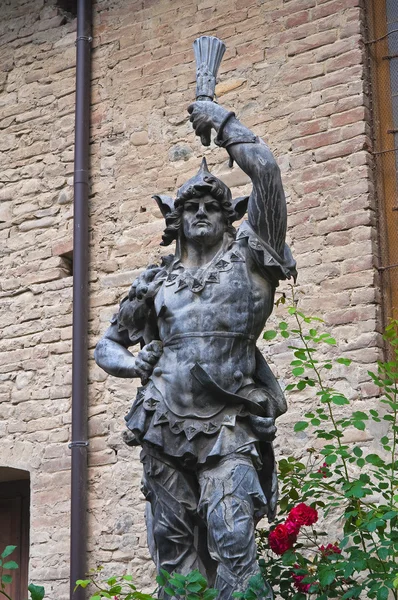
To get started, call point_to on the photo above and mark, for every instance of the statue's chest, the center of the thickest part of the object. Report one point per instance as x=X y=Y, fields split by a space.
x=223 y=296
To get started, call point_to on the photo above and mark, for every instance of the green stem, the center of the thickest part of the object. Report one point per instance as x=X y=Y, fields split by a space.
x=394 y=446
x=322 y=387
x=6 y=595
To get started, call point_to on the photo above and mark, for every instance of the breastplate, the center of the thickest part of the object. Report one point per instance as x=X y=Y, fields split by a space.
x=214 y=322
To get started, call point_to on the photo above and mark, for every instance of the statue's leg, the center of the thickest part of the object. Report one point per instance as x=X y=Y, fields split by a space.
x=230 y=495
x=173 y=495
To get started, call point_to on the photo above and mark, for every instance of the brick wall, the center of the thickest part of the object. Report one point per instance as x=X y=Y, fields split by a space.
x=295 y=72
x=37 y=57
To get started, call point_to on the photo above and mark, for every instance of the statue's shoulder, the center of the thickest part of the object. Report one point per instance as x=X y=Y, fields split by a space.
x=136 y=312
x=146 y=285
x=272 y=266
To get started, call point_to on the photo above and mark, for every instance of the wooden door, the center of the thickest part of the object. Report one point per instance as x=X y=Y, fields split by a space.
x=14 y=531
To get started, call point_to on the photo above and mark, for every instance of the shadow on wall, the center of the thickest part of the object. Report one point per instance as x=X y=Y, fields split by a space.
x=68 y=6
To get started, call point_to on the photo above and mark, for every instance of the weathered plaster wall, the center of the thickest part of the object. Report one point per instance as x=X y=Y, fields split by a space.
x=295 y=72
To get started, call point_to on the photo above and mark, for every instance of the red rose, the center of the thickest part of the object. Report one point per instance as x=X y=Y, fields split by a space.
x=303 y=515
x=297 y=582
x=279 y=539
x=292 y=528
x=330 y=549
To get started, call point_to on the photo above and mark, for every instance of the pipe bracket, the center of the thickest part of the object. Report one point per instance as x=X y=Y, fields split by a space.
x=85 y=38
x=77 y=444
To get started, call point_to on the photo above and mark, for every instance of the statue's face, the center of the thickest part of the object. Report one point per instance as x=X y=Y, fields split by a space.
x=203 y=220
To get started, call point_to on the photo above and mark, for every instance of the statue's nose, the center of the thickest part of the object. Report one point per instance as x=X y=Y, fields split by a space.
x=201 y=211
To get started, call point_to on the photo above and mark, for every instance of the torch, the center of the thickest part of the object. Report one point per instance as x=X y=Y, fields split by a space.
x=208 y=55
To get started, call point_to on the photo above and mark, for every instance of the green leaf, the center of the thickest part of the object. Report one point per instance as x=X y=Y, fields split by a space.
x=374 y=459
x=7 y=551
x=296 y=363
x=383 y=553
x=339 y=400
x=391 y=514
x=210 y=594
x=82 y=583
x=195 y=576
x=6 y=578
x=179 y=578
x=297 y=371
x=382 y=593
x=36 y=592
x=344 y=361
x=359 y=414
x=357 y=451
x=161 y=580
x=388 y=418
x=194 y=587
x=300 y=426
x=282 y=325
x=169 y=591
x=270 y=335
x=330 y=340
x=11 y=564
x=115 y=590
x=326 y=576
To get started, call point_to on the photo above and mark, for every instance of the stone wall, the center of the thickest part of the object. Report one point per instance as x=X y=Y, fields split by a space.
x=37 y=57
x=294 y=71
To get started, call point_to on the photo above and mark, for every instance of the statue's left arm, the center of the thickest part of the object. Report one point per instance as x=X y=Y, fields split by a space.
x=267 y=206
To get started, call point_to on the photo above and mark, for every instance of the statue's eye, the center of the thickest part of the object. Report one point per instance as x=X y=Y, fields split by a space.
x=213 y=207
x=191 y=206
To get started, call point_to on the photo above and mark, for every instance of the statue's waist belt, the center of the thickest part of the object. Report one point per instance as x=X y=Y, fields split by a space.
x=221 y=334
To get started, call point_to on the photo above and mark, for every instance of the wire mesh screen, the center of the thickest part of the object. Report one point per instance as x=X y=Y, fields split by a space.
x=384 y=70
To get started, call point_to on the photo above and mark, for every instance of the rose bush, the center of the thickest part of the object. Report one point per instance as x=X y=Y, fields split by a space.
x=357 y=486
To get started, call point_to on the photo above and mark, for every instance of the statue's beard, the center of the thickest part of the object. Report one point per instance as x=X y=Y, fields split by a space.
x=204 y=235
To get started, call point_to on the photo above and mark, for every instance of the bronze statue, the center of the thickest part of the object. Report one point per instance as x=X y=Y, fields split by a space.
x=205 y=414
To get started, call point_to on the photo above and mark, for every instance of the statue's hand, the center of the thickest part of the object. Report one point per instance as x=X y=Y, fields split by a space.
x=270 y=431
x=147 y=358
x=206 y=116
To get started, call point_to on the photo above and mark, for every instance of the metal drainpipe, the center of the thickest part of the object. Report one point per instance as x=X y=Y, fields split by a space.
x=79 y=442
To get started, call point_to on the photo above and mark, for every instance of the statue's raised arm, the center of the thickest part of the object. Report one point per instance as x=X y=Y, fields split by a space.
x=266 y=205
